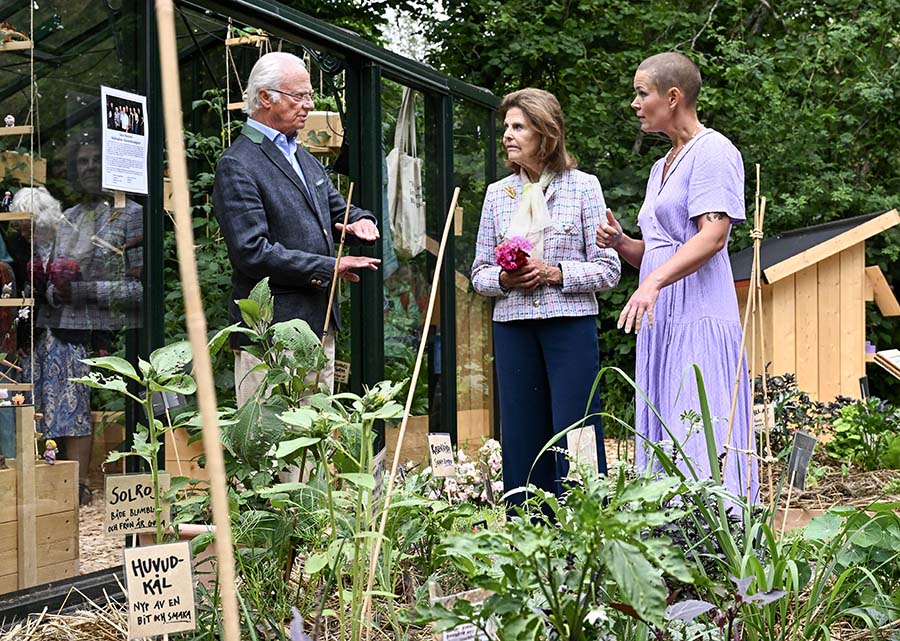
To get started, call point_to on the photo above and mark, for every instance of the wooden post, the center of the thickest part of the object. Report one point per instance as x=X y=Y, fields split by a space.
x=196 y=321
x=26 y=496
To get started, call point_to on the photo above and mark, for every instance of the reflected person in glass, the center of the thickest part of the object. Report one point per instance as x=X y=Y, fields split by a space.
x=92 y=290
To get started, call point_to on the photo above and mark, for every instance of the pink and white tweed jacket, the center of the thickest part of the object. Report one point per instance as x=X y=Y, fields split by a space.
x=576 y=206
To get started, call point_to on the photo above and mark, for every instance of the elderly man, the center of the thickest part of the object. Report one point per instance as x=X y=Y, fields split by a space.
x=279 y=212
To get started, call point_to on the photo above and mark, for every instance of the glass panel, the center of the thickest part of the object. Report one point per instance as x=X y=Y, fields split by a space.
x=474 y=344
x=408 y=268
x=76 y=260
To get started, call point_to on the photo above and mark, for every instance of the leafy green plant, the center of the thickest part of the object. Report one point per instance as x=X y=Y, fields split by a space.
x=557 y=567
x=867 y=433
x=164 y=372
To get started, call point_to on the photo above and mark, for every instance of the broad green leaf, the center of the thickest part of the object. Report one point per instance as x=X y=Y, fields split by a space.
x=296 y=337
x=638 y=582
x=316 y=563
x=114 y=364
x=171 y=359
x=249 y=311
x=823 y=527
x=363 y=480
x=299 y=417
x=286 y=448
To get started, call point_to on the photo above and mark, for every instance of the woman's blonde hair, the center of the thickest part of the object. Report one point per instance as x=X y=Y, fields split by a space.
x=542 y=110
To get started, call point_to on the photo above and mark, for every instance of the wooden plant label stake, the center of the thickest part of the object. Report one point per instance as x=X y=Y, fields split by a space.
x=440 y=450
x=118 y=200
x=378 y=466
x=582 y=445
x=466 y=631
x=801 y=454
x=759 y=416
x=341 y=372
x=130 y=505
x=160 y=585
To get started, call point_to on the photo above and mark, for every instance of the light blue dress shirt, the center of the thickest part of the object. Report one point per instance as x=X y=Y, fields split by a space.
x=287 y=146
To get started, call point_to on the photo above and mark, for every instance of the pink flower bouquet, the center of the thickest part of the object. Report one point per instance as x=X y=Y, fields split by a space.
x=63 y=270
x=513 y=253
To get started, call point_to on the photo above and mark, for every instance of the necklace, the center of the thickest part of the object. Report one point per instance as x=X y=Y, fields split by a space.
x=674 y=151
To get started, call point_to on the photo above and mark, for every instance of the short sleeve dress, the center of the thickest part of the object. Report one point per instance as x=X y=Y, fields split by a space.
x=696 y=319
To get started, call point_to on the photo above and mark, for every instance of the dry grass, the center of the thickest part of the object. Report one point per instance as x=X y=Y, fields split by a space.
x=104 y=621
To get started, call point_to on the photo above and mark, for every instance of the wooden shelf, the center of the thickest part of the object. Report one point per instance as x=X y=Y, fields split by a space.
x=16 y=215
x=17 y=387
x=245 y=40
x=17 y=45
x=16 y=302
x=236 y=105
x=19 y=130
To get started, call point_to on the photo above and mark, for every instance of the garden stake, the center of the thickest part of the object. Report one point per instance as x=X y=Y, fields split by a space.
x=787 y=504
x=195 y=318
x=334 y=278
x=749 y=325
x=762 y=343
x=373 y=562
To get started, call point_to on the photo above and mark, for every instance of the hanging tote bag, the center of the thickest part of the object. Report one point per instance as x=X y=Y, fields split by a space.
x=406 y=203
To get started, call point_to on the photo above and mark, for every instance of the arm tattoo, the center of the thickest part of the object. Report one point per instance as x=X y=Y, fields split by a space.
x=716 y=215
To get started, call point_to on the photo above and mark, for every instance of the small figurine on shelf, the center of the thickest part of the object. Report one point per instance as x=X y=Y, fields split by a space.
x=9 y=33
x=10 y=120
x=6 y=201
x=18 y=399
x=50 y=451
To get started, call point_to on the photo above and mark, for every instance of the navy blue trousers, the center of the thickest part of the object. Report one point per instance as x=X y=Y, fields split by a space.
x=545 y=371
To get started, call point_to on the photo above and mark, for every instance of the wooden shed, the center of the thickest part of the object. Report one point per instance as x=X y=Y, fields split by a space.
x=815 y=288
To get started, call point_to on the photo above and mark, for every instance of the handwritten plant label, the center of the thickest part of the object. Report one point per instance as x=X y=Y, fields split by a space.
x=130 y=504
x=378 y=467
x=440 y=449
x=341 y=372
x=582 y=445
x=761 y=417
x=466 y=631
x=160 y=588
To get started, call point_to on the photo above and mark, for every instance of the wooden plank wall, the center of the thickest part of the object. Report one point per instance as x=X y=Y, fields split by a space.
x=815 y=325
x=475 y=378
x=760 y=359
x=56 y=530
x=853 y=318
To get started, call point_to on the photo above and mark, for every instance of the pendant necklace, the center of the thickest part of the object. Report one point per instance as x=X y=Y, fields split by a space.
x=673 y=153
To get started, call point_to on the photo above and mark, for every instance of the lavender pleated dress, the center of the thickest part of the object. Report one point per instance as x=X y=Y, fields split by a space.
x=696 y=319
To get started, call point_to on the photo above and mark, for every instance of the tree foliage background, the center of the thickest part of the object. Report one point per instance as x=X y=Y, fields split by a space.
x=810 y=90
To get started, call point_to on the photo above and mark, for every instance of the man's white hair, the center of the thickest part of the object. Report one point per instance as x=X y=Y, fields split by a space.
x=45 y=209
x=268 y=73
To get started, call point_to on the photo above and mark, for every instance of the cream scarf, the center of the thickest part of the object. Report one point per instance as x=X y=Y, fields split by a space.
x=532 y=217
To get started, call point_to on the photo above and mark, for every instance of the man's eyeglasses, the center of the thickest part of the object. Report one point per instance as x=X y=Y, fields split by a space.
x=299 y=97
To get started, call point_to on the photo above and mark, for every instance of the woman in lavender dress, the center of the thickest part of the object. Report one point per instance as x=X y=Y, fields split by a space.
x=685 y=310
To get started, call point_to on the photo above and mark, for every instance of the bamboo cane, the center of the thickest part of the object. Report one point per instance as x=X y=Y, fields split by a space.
x=751 y=294
x=334 y=276
x=373 y=562
x=762 y=340
x=195 y=319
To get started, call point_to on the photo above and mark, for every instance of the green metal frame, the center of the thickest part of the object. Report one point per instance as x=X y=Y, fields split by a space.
x=366 y=65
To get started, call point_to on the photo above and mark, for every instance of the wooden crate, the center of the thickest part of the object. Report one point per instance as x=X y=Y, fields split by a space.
x=181 y=457
x=53 y=540
x=415 y=442
x=109 y=434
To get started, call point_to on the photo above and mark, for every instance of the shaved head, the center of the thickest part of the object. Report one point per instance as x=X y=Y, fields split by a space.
x=672 y=69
